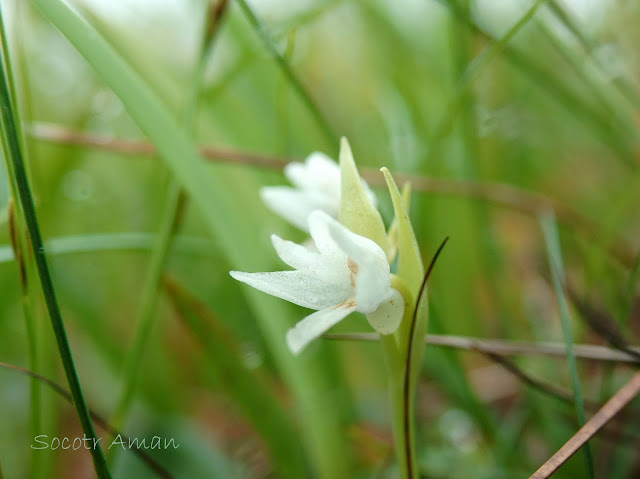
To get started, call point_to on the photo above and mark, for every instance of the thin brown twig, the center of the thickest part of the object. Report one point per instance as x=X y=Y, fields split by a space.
x=561 y=394
x=144 y=457
x=57 y=134
x=542 y=386
x=498 y=193
x=591 y=427
x=508 y=348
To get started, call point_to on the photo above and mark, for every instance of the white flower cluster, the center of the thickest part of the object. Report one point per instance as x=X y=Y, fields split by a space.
x=345 y=273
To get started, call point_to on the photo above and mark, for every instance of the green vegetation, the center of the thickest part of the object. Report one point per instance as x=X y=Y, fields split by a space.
x=136 y=137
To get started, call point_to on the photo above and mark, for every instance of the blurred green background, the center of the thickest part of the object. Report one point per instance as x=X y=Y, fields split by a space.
x=432 y=89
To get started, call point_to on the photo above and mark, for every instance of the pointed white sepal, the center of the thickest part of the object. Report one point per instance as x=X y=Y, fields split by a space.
x=316 y=324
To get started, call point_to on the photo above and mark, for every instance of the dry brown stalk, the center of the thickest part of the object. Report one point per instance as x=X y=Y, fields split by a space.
x=612 y=407
x=498 y=193
x=509 y=348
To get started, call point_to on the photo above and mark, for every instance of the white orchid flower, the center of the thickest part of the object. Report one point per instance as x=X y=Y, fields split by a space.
x=348 y=273
x=316 y=186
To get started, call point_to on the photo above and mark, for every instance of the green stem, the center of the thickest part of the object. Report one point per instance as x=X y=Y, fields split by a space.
x=550 y=232
x=404 y=351
x=403 y=431
x=18 y=243
x=35 y=403
x=35 y=390
x=402 y=380
x=17 y=171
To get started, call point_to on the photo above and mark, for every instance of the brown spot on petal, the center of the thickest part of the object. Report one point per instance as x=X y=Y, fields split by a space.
x=348 y=303
x=354 y=268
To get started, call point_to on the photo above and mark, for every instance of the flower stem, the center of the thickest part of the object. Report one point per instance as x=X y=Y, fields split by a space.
x=21 y=190
x=404 y=351
x=401 y=409
x=397 y=348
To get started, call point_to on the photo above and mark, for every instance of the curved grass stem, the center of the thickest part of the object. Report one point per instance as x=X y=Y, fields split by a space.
x=552 y=241
x=18 y=245
x=17 y=172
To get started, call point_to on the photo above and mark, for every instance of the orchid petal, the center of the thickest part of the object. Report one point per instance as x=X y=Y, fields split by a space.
x=316 y=324
x=319 y=229
x=372 y=281
x=332 y=268
x=319 y=183
x=318 y=173
x=293 y=205
x=357 y=247
x=296 y=287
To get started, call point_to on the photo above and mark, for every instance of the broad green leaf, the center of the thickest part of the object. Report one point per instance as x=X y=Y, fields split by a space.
x=356 y=210
x=322 y=433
